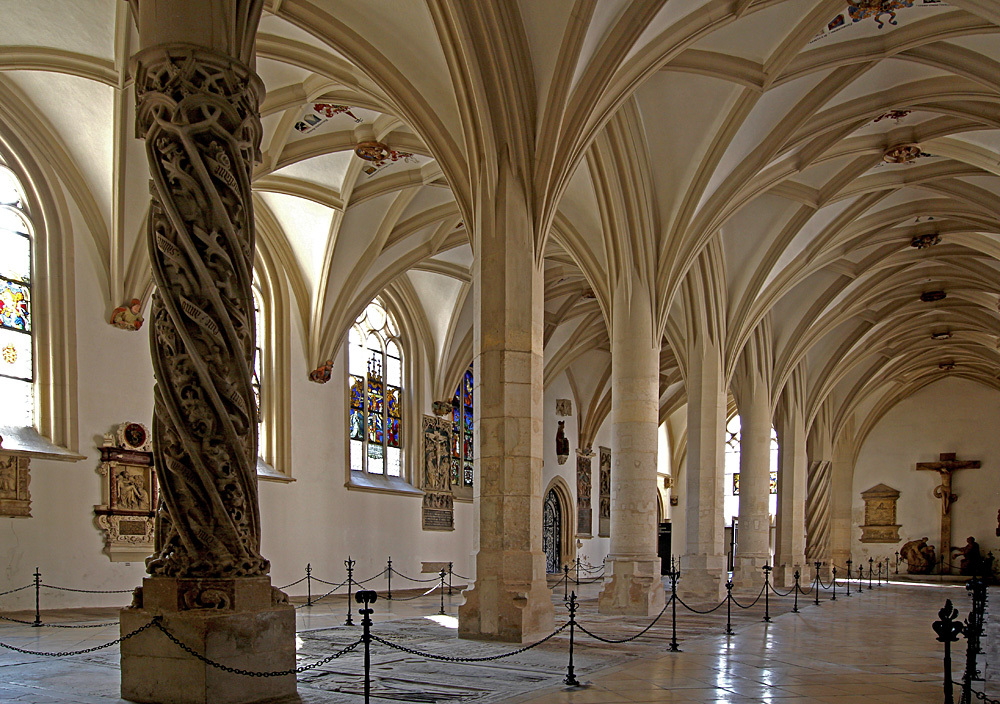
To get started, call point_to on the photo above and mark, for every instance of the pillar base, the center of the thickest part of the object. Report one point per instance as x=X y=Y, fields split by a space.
x=748 y=573
x=239 y=622
x=632 y=588
x=702 y=577
x=506 y=611
x=784 y=575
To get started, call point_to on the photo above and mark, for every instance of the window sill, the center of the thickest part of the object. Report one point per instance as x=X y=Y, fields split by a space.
x=359 y=481
x=267 y=473
x=26 y=442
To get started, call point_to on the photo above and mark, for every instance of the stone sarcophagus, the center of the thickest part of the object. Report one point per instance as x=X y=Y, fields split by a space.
x=129 y=493
x=880 y=515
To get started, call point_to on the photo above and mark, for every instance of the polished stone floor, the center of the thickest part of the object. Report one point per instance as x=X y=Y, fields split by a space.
x=873 y=647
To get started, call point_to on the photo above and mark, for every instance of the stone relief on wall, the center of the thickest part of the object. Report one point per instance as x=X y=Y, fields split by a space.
x=880 y=515
x=15 y=501
x=437 y=512
x=584 y=488
x=127 y=516
x=604 y=518
x=564 y=407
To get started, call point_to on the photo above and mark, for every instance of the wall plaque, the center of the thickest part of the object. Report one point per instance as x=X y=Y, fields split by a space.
x=604 y=507
x=15 y=501
x=437 y=511
x=880 y=515
x=584 y=513
x=127 y=516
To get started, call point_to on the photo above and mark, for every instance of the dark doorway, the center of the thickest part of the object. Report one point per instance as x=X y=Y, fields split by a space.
x=663 y=546
x=552 y=532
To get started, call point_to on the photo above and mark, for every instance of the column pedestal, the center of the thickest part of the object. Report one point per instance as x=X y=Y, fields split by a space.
x=748 y=573
x=240 y=622
x=499 y=610
x=632 y=587
x=702 y=577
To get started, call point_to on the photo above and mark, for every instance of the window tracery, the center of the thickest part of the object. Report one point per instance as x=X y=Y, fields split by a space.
x=17 y=373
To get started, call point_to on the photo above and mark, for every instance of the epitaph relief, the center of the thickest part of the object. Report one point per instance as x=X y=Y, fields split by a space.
x=880 y=515
x=604 y=505
x=127 y=514
x=15 y=501
x=584 y=489
x=198 y=112
x=437 y=512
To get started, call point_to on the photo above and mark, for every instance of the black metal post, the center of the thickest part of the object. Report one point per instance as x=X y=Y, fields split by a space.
x=309 y=583
x=834 y=597
x=849 y=563
x=570 y=678
x=565 y=582
x=897 y=562
x=795 y=603
x=729 y=607
x=441 y=612
x=388 y=572
x=767 y=587
x=38 y=585
x=861 y=576
x=878 y=580
x=973 y=636
x=674 y=574
x=366 y=597
x=816 y=586
x=948 y=630
x=887 y=570
x=450 y=574
x=349 y=564
x=871 y=561
x=578 y=571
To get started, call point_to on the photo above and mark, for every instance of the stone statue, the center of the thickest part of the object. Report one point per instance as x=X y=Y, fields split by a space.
x=562 y=443
x=972 y=559
x=436 y=456
x=920 y=557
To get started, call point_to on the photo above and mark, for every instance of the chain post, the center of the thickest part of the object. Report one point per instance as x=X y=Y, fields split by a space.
x=673 y=574
x=578 y=571
x=349 y=564
x=848 y=576
x=565 y=582
x=948 y=629
x=570 y=678
x=729 y=608
x=861 y=576
x=871 y=561
x=795 y=604
x=834 y=597
x=816 y=584
x=887 y=570
x=450 y=575
x=388 y=575
x=38 y=585
x=878 y=580
x=973 y=634
x=366 y=597
x=897 y=562
x=767 y=587
x=441 y=612
x=309 y=590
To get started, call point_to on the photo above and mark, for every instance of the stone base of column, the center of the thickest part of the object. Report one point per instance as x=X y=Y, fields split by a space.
x=702 y=577
x=748 y=573
x=631 y=587
x=507 y=611
x=239 y=622
x=784 y=575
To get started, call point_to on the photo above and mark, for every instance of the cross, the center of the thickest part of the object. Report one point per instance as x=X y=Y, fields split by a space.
x=945 y=466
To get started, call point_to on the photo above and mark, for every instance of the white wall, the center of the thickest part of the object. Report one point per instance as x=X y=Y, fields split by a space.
x=953 y=415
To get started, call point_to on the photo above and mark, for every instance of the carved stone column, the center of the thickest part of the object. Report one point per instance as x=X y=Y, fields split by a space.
x=790 y=548
x=818 y=513
x=632 y=583
x=753 y=550
x=197 y=107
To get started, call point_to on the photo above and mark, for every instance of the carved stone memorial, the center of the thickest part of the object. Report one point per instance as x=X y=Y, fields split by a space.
x=584 y=488
x=127 y=514
x=438 y=510
x=604 y=507
x=880 y=515
x=15 y=501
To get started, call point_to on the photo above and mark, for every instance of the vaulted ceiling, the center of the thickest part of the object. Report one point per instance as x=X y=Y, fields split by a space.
x=823 y=169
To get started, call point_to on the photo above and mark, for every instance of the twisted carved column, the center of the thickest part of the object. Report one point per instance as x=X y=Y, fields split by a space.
x=198 y=113
x=818 y=512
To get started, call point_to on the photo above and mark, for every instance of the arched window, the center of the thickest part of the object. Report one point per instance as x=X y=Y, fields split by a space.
x=375 y=369
x=461 y=432
x=255 y=370
x=17 y=371
x=732 y=469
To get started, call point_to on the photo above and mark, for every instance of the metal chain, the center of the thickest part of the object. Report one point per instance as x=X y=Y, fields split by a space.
x=981 y=696
x=777 y=593
x=26 y=586
x=316 y=601
x=292 y=584
x=65 y=653
x=255 y=673
x=714 y=608
x=448 y=658
x=752 y=602
x=411 y=598
x=60 y=625
x=329 y=584
x=456 y=574
x=630 y=638
x=400 y=574
x=376 y=576
x=89 y=591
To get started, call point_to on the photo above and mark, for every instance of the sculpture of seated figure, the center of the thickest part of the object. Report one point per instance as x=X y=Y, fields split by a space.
x=972 y=559
x=920 y=557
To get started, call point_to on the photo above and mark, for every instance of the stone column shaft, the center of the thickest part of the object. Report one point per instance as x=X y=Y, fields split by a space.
x=791 y=527
x=509 y=599
x=753 y=549
x=818 y=513
x=633 y=585
x=704 y=563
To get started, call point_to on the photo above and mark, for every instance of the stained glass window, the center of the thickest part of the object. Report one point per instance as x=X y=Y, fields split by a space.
x=375 y=382
x=17 y=371
x=462 y=453
x=731 y=500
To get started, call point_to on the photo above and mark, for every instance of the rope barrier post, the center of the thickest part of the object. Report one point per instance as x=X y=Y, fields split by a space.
x=816 y=584
x=878 y=580
x=38 y=585
x=861 y=576
x=388 y=573
x=309 y=590
x=897 y=562
x=565 y=582
x=441 y=612
x=366 y=597
x=570 y=678
x=450 y=573
x=871 y=561
x=973 y=635
x=767 y=587
x=349 y=564
x=578 y=571
x=673 y=574
x=848 y=576
x=948 y=629
x=887 y=570
x=795 y=604
x=729 y=608
x=834 y=597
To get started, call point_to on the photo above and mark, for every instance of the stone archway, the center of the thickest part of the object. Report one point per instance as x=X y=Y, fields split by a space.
x=552 y=524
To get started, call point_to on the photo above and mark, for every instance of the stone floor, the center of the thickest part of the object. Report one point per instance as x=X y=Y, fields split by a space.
x=873 y=647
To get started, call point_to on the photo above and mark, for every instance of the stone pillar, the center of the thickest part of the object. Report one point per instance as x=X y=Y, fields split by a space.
x=818 y=514
x=632 y=584
x=753 y=549
x=841 y=495
x=703 y=566
x=197 y=107
x=509 y=600
x=791 y=529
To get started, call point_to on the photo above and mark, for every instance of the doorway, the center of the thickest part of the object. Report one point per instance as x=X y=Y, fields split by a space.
x=552 y=532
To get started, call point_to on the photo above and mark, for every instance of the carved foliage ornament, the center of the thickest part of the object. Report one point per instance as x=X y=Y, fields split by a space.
x=198 y=112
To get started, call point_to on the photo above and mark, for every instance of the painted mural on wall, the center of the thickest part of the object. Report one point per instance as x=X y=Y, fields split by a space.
x=128 y=487
x=604 y=505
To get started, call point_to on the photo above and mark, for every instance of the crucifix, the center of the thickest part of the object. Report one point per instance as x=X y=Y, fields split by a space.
x=945 y=466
